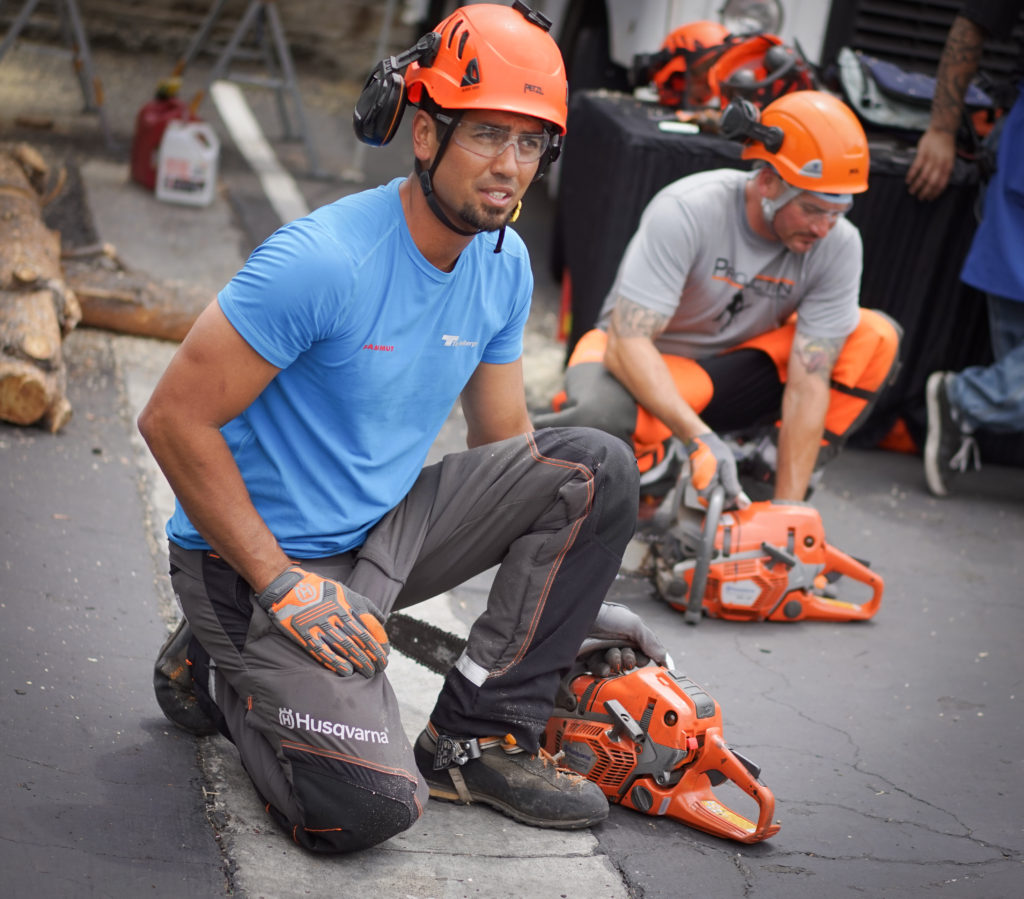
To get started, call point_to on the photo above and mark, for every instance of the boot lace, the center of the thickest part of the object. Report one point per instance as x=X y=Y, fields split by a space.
x=967 y=457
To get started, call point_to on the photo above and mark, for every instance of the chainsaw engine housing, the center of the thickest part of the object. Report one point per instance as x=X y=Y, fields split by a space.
x=652 y=741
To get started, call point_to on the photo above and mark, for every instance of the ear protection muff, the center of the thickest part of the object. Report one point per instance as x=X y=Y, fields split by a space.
x=378 y=111
x=742 y=121
x=552 y=153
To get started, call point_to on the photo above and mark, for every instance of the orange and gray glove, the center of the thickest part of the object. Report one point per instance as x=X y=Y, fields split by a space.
x=337 y=627
x=712 y=463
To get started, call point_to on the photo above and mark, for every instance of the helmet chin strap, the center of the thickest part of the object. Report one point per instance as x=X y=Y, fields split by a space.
x=770 y=207
x=425 y=178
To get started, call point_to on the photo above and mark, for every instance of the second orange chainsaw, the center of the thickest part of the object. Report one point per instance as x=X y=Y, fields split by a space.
x=769 y=561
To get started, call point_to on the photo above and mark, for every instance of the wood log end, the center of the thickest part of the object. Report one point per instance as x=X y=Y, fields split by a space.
x=25 y=396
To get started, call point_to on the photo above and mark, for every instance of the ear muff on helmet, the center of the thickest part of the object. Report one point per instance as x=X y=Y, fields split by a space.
x=812 y=139
x=760 y=68
x=685 y=56
x=742 y=121
x=378 y=111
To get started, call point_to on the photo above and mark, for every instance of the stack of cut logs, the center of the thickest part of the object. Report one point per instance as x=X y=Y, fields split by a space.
x=45 y=293
x=37 y=308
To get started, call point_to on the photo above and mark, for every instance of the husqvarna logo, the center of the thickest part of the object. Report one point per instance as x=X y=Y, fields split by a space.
x=305 y=592
x=301 y=721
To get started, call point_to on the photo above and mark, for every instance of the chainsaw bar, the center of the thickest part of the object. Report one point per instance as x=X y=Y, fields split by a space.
x=431 y=646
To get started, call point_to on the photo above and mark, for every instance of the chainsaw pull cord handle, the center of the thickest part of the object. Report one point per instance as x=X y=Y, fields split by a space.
x=699 y=581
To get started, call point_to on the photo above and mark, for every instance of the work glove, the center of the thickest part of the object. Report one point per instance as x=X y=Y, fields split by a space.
x=619 y=641
x=337 y=628
x=711 y=464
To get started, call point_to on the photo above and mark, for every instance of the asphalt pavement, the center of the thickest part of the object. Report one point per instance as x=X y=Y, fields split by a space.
x=893 y=747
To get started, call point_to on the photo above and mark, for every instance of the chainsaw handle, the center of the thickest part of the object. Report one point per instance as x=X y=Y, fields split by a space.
x=699 y=580
x=738 y=773
x=694 y=802
x=837 y=560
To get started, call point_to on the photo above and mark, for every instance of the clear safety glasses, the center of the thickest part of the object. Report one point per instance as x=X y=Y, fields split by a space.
x=490 y=141
x=817 y=214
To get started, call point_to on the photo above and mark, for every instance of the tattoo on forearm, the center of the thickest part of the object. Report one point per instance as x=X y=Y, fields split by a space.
x=630 y=319
x=818 y=354
x=957 y=66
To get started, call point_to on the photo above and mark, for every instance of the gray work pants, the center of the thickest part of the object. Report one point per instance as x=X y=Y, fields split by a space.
x=553 y=509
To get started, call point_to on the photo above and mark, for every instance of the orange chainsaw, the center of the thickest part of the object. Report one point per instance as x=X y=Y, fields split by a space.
x=652 y=741
x=769 y=561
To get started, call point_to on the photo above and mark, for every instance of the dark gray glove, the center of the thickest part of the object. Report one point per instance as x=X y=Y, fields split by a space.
x=712 y=463
x=620 y=641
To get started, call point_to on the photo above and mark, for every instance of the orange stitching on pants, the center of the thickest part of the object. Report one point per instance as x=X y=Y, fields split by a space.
x=352 y=759
x=570 y=540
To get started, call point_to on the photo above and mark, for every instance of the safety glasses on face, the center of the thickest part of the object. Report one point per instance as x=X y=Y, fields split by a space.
x=817 y=214
x=491 y=141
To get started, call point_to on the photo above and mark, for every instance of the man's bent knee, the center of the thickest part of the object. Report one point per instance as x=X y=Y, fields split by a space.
x=349 y=807
x=616 y=483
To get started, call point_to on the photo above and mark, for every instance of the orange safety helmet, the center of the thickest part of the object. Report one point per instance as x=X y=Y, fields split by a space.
x=759 y=68
x=691 y=46
x=494 y=57
x=823 y=146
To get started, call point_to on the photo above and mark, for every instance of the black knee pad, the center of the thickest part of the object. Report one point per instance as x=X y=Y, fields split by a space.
x=348 y=807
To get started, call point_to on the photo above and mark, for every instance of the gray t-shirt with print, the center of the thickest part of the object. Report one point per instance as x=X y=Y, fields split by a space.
x=694 y=257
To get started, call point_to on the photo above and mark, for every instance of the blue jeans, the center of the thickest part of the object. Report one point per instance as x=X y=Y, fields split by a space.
x=991 y=398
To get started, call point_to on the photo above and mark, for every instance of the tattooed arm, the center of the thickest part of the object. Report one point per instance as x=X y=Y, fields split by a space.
x=804 y=404
x=635 y=361
x=929 y=173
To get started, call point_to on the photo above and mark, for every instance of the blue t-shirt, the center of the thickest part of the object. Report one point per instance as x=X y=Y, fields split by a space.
x=375 y=345
x=995 y=263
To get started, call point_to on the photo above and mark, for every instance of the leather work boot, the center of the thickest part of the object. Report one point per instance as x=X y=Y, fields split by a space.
x=496 y=772
x=173 y=685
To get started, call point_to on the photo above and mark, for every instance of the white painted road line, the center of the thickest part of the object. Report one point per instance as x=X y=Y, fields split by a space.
x=278 y=185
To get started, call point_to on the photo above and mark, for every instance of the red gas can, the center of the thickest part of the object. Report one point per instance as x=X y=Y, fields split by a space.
x=150 y=124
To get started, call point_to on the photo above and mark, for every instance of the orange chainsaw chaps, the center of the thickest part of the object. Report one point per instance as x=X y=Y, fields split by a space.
x=771 y=560
x=651 y=739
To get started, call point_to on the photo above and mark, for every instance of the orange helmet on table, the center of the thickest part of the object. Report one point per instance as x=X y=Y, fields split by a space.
x=681 y=64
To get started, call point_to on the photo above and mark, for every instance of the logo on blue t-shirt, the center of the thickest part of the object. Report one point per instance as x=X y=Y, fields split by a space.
x=455 y=340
